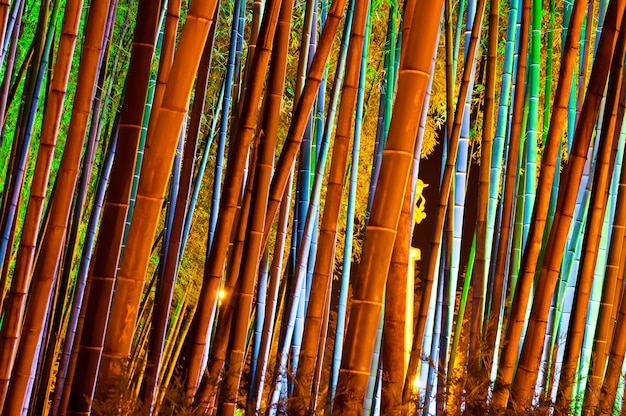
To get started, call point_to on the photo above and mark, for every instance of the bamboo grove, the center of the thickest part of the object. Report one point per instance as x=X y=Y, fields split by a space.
x=312 y=207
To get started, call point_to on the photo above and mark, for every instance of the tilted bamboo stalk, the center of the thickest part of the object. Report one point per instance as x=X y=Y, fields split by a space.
x=165 y=288
x=324 y=262
x=381 y=230
x=51 y=121
x=152 y=185
x=430 y=265
x=301 y=112
x=240 y=143
x=604 y=164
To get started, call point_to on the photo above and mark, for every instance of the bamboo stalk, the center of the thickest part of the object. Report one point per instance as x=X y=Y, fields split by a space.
x=381 y=230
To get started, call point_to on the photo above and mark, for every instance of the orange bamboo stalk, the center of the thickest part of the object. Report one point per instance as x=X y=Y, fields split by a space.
x=229 y=204
x=166 y=56
x=301 y=113
x=370 y=280
x=604 y=164
x=446 y=184
x=155 y=172
x=610 y=290
x=26 y=254
x=393 y=348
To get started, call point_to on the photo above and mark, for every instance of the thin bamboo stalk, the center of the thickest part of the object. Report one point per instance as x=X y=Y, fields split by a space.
x=302 y=111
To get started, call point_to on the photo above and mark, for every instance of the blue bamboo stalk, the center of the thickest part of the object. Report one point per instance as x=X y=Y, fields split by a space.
x=234 y=53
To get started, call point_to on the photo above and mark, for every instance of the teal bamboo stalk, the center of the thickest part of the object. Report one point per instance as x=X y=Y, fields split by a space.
x=236 y=33
x=494 y=306
x=199 y=175
x=532 y=131
x=486 y=149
